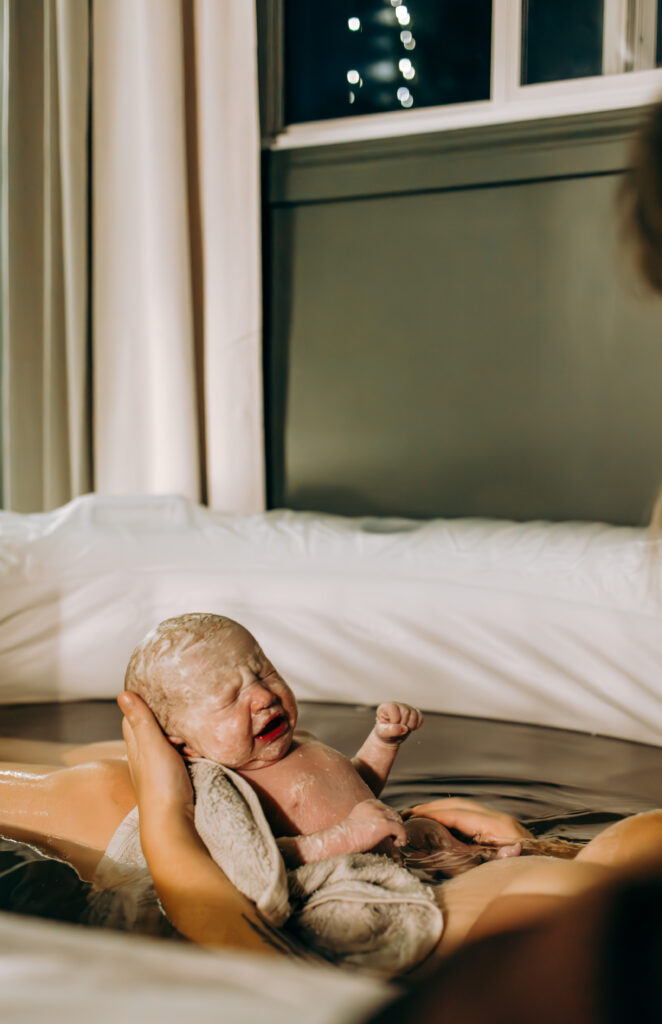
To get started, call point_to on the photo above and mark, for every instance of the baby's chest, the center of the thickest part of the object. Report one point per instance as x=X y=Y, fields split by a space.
x=321 y=788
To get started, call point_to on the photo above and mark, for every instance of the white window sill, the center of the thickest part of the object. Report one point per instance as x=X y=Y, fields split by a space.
x=576 y=96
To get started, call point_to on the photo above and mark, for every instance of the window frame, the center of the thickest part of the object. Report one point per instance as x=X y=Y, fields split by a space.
x=510 y=101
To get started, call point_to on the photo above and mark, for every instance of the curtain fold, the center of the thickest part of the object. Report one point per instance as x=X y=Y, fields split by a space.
x=229 y=148
x=72 y=40
x=145 y=433
x=173 y=382
x=43 y=270
x=177 y=304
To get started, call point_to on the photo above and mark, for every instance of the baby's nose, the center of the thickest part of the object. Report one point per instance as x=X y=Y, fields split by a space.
x=261 y=696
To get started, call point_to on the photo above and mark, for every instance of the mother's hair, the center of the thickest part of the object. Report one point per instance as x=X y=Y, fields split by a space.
x=640 y=199
x=640 y=203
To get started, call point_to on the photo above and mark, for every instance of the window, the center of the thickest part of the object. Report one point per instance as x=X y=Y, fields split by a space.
x=358 y=57
x=561 y=40
x=373 y=68
x=566 y=39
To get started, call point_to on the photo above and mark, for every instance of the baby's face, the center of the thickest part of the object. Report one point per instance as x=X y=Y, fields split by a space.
x=239 y=712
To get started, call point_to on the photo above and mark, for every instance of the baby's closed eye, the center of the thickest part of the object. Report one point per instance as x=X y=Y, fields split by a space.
x=228 y=697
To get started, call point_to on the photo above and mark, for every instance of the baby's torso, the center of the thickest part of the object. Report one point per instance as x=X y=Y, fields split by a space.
x=311 y=788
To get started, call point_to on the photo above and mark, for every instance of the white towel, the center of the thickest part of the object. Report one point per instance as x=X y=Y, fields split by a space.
x=361 y=909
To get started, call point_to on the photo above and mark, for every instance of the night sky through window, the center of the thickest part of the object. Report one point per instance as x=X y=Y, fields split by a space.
x=345 y=57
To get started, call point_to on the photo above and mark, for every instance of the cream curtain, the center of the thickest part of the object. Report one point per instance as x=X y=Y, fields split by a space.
x=43 y=270
x=177 y=307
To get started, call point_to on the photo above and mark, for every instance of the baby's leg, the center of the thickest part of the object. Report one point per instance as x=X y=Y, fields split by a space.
x=83 y=804
x=626 y=843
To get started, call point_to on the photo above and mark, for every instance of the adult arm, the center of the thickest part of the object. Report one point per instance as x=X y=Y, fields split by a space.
x=197 y=896
x=472 y=820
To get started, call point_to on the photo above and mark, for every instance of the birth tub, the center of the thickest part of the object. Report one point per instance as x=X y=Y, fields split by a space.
x=535 y=647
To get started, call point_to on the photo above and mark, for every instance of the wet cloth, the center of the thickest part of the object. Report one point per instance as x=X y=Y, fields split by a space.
x=361 y=909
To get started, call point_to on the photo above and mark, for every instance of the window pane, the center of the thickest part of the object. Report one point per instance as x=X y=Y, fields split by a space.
x=365 y=56
x=561 y=39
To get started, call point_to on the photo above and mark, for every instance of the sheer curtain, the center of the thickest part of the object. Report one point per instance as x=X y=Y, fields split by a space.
x=169 y=398
x=177 y=306
x=43 y=270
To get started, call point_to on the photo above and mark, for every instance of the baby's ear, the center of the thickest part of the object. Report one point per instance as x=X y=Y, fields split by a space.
x=182 y=746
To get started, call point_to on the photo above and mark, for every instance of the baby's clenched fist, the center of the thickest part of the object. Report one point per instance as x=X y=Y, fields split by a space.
x=395 y=721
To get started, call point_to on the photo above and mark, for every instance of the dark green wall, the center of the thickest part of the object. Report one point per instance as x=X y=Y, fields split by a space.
x=453 y=329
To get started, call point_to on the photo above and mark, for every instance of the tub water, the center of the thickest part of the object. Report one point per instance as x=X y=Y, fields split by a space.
x=555 y=781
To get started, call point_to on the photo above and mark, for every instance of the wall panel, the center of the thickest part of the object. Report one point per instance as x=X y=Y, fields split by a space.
x=477 y=349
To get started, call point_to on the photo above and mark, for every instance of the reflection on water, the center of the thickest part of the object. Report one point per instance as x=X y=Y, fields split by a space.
x=543 y=808
x=39 y=886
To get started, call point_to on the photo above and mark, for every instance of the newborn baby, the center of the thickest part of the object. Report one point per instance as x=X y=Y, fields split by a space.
x=217 y=696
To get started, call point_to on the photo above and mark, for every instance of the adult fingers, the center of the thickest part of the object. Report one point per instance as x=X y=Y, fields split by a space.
x=135 y=710
x=142 y=734
x=470 y=817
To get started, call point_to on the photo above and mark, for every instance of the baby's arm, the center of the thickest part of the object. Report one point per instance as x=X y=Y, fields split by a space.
x=394 y=722
x=367 y=824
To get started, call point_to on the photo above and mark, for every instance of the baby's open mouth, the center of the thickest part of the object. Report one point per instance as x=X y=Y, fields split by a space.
x=274 y=728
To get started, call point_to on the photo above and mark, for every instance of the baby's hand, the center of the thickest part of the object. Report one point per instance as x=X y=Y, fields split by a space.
x=367 y=825
x=371 y=821
x=395 y=721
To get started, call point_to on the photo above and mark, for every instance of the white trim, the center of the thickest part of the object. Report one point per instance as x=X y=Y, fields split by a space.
x=611 y=92
x=506 y=46
x=644 y=34
x=629 y=85
x=616 y=53
x=626 y=21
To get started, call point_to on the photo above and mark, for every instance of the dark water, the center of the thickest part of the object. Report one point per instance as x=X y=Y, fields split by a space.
x=555 y=781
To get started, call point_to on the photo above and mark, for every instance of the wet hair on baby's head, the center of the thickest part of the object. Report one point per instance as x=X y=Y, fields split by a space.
x=155 y=670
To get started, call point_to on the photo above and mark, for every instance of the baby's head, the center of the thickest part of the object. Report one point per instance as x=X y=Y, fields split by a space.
x=213 y=690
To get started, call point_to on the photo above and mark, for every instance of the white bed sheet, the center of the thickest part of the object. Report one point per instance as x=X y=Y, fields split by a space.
x=555 y=624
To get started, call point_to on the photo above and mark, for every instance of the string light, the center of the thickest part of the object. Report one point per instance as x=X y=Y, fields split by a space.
x=405 y=65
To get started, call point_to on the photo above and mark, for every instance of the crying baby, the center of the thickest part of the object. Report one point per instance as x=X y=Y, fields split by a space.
x=217 y=696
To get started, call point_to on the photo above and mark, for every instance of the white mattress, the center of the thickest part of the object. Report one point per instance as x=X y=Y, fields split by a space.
x=555 y=624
